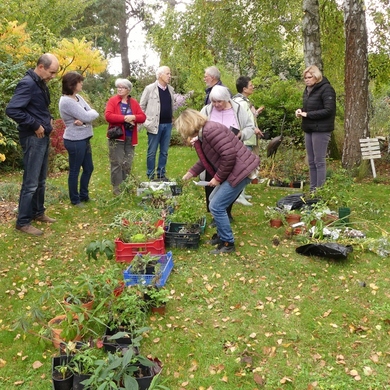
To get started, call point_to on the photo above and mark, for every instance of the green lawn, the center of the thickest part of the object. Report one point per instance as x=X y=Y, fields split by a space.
x=262 y=318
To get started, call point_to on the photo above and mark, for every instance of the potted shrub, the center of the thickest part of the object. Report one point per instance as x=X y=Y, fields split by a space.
x=275 y=216
x=83 y=364
x=123 y=369
x=62 y=375
x=145 y=264
x=80 y=292
x=337 y=192
x=157 y=299
x=125 y=312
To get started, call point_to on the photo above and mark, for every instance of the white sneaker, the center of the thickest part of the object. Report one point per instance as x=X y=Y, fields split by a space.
x=241 y=200
x=247 y=196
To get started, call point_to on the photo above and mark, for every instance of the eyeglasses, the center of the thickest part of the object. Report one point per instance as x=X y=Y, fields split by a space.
x=122 y=88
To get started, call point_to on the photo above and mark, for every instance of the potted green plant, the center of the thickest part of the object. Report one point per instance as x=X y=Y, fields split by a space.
x=337 y=192
x=81 y=291
x=145 y=264
x=275 y=216
x=62 y=375
x=83 y=364
x=125 y=312
x=157 y=299
x=122 y=369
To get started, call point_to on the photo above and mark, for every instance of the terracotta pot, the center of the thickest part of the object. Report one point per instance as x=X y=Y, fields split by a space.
x=55 y=324
x=276 y=223
x=293 y=218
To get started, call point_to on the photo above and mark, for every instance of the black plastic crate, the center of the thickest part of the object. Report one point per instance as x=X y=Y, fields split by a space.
x=176 y=239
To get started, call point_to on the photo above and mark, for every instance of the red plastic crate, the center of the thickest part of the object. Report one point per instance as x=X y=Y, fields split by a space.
x=125 y=252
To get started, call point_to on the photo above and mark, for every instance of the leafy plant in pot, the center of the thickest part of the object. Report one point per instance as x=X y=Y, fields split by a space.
x=62 y=375
x=188 y=209
x=337 y=192
x=275 y=216
x=80 y=292
x=123 y=369
x=157 y=298
x=125 y=312
x=83 y=364
x=145 y=264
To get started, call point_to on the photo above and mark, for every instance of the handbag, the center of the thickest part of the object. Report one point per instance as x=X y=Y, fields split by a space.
x=115 y=132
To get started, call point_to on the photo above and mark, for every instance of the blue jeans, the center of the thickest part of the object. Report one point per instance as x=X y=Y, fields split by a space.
x=80 y=156
x=162 y=138
x=32 y=193
x=224 y=196
x=316 y=149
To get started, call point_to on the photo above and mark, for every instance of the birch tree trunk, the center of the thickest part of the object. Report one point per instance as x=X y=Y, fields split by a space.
x=311 y=34
x=356 y=82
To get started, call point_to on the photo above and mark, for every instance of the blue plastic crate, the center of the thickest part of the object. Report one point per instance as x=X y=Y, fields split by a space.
x=158 y=280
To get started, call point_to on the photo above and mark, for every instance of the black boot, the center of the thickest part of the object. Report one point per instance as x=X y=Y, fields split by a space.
x=224 y=247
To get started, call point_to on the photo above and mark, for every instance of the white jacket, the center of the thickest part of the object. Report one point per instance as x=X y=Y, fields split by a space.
x=150 y=104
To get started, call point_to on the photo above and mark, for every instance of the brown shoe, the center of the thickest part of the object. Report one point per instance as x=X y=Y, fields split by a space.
x=45 y=218
x=29 y=230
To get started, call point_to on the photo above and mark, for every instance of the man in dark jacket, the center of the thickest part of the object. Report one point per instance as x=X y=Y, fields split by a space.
x=212 y=77
x=318 y=115
x=29 y=107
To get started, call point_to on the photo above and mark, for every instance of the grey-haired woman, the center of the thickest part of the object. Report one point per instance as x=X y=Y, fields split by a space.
x=124 y=111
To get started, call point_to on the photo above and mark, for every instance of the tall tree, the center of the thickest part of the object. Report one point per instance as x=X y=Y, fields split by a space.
x=311 y=34
x=356 y=82
x=110 y=26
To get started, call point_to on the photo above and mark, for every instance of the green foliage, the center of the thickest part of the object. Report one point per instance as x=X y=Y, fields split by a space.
x=338 y=189
x=126 y=310
x=9 y=136
x=100 y=247
x=137 y=225
x=188 y=208
x=121 y=367
x=273 y=94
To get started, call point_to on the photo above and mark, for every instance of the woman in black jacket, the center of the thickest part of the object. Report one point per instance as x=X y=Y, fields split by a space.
x=318 y=115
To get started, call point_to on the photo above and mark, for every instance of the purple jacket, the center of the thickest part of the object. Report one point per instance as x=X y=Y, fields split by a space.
x=231 y=159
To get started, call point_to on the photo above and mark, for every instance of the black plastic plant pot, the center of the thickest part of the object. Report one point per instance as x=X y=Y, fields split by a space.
x=146 y=379
x=58 y=382
x=77 y=379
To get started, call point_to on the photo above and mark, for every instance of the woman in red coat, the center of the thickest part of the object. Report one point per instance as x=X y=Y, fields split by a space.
x=124 y=111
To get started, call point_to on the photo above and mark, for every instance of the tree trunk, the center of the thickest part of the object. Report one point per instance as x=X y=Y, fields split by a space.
x=356 y=82
x=311 y=34
x=124 y=47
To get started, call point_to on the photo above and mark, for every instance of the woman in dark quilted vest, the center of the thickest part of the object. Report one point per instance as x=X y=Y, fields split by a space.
x=318 y=116
x=230 y=164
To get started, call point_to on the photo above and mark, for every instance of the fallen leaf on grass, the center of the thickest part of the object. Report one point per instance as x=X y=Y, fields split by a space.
x=258 y=379
x=285 y=380
x=2 y=362
x=368 y=371
x=37 y=364
x=17 y=383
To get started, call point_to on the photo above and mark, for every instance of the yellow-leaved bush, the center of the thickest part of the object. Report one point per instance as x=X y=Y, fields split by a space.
x=79 y=55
